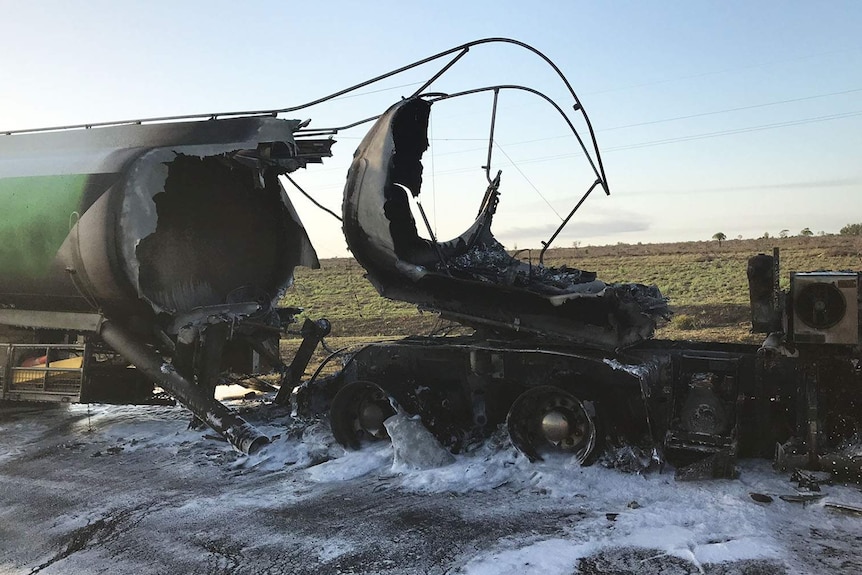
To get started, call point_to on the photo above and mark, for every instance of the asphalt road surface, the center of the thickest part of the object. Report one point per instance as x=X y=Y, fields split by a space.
x=108 y=489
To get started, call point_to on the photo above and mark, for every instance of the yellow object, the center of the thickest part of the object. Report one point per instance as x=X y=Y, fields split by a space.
x=72 y=362
x=44 y=373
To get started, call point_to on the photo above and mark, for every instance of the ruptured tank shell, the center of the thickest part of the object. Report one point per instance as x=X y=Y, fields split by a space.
x=472 y=279
x=160 y=218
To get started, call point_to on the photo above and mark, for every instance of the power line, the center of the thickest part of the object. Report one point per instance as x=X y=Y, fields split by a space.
x=762 y=127
x=650 y=143
x=673 y=119
x=716 y=72
x=750 y=107
x=356 y=95
x=703 y=136
x=652 y=122
x=523 y=175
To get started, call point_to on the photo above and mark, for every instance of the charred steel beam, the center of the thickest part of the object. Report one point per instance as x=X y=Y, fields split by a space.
x=547 y=244
x=763 y=293
x=74 y=321
x=487 y=165
x=239 y=433
x=776 y=286
x=812 y=424
x=312 y=332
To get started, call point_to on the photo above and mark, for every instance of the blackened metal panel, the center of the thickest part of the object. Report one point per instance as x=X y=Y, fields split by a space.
x=472 y=279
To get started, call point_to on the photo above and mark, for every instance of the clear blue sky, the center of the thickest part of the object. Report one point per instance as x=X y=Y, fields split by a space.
x=739 y=117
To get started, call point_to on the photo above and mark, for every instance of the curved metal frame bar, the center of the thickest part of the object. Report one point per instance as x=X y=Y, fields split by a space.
x=459 y=52
x=597 y=169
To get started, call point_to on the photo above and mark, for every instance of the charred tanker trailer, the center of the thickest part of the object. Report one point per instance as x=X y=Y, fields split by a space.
x=167 y=245
x=150 y=241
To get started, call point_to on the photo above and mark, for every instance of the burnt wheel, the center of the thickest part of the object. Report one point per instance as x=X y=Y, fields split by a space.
x=546 y=420
x=357 y=414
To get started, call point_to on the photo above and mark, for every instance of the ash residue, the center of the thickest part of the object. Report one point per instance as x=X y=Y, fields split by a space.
x=492 y=264
x=631 y=459
x=648 y=298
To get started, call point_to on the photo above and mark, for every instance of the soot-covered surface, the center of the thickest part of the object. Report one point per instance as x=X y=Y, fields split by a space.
x=216 y=233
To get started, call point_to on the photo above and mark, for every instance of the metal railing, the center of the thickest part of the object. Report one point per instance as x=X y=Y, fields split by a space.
x=42 y=372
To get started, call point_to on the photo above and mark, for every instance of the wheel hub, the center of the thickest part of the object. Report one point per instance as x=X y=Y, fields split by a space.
x=357 y=413
x=555 y=426
x=547 y=419
x=371 y=417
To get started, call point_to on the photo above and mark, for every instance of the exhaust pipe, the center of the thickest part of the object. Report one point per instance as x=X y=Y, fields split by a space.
x=238 y=432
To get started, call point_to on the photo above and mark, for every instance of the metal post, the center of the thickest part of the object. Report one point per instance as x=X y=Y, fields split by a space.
x=312 y=333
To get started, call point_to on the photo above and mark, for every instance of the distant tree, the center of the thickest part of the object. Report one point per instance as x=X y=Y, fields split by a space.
x=739 y=237
x=783 y=233
x=720 y=237
x=765 y=236
x=806 y=232
x=821 y=233
x=851 y=230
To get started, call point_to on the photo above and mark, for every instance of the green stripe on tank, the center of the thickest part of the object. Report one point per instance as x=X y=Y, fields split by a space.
x=35 y=217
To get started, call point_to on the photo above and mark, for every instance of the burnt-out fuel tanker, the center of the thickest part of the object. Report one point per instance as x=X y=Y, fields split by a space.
x=163 y=243
x=167 y=239
x=166 y=245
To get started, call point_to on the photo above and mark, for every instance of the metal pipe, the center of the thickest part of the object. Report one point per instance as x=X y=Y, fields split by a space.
x=238 y=432
x=442 y=71
x=487 y=165
x=597 y=169
x=313 y=333
x=547 y=244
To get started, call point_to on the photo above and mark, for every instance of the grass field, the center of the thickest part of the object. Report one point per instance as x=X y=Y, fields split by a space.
x=706 y=283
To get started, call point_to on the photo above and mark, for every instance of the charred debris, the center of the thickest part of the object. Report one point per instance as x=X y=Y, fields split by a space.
x=166 y=244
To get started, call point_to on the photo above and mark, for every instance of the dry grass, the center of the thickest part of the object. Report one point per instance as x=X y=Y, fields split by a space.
x=706 y=284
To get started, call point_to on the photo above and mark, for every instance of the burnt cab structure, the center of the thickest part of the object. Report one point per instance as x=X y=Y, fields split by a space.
x=567 y=361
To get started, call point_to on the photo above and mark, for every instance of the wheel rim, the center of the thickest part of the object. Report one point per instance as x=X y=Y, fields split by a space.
x=547 y=419
x=357 y=414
